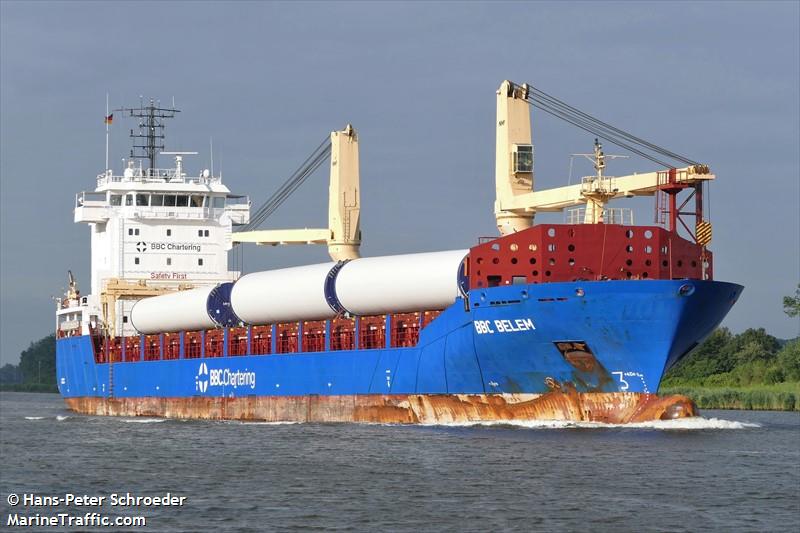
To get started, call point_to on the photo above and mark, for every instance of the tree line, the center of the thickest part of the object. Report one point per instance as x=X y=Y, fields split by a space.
x=36 y=370
x=752 y=357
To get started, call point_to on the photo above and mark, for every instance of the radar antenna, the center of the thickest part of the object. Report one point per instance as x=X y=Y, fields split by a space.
x=149 y=139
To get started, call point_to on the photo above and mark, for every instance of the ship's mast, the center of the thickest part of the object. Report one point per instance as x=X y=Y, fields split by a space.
x=149 y=139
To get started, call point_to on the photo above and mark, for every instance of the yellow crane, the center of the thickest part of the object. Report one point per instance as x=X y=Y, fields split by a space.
x=516 y=200
x=343 y=234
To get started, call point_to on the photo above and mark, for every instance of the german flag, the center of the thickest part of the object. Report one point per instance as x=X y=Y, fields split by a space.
x=109 y=119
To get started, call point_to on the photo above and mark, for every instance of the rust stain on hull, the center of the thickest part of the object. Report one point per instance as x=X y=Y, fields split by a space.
x=565 y=404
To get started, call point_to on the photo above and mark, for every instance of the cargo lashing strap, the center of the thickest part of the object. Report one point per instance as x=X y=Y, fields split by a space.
x=330 y=289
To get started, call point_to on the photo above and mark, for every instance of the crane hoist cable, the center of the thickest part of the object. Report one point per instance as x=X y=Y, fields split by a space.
x=560 y=109
x=320 y=154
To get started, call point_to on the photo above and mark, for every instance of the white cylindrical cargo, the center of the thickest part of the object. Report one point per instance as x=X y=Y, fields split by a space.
x=178 y=311
x=284 y=295
x=400 y=283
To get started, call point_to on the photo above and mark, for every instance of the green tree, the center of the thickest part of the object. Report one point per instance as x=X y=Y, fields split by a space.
x=37 y=363
x=753 y=345
x=791 y=304
x=9 y=374
x=789 y=360
x=712 y=357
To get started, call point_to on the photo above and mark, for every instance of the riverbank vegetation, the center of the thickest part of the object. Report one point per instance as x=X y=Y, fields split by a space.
x=751 y=370
x=36 y=371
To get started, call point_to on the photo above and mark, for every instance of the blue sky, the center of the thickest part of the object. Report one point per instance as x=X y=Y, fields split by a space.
x=715 y=81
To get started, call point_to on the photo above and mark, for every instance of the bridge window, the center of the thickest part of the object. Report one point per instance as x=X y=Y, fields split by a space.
x=115 y=200
x=182 y=200
x=197 y=201
x=142 y=199
x=128 y=199
x=219 y=202
x=156 y=200
x=169 y=200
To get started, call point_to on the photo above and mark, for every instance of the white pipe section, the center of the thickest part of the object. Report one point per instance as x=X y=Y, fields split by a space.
x=285 y=295
x=178 y=311
x=399 y=283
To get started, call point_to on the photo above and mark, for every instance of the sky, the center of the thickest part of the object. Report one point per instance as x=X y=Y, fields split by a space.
x=718 y=82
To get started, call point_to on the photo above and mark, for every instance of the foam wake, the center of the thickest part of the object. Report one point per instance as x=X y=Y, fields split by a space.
x=692 y=423
x=142 y=420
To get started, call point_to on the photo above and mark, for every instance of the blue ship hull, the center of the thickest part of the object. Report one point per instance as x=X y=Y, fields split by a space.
x=602 y=336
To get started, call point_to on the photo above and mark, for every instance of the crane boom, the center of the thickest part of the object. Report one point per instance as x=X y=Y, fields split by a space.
x=343 y=235
x=610 y=188
x=516 y=202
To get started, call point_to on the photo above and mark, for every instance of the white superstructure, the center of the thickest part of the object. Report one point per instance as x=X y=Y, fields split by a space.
x=154 y=230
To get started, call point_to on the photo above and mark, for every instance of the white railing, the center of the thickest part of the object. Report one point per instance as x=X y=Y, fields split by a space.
x=611 y=215
x=90 y=199
x=178 y=212
x=157 y=175
x=593 y=184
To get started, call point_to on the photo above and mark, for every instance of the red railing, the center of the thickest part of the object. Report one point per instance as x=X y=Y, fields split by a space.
x=362 y=333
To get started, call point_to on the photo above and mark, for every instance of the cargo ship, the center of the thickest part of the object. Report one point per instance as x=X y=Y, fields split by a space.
x=572 y=321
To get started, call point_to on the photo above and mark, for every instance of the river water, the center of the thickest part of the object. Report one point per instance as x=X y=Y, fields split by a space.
x=727 y=471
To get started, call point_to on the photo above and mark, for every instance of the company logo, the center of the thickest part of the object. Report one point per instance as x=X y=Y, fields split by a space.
x=201 y=379
x=141 y=246
x=223 y=377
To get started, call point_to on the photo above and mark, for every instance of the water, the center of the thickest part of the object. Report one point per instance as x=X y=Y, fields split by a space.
x=732 y=471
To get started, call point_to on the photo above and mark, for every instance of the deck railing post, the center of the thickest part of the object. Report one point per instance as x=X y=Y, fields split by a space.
x=388 y=331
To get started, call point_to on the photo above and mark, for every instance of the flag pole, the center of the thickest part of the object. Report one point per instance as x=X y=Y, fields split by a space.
x=106 y=121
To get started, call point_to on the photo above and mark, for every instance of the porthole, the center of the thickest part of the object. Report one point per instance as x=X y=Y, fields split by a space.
x=514 y=247
x=551 y=232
